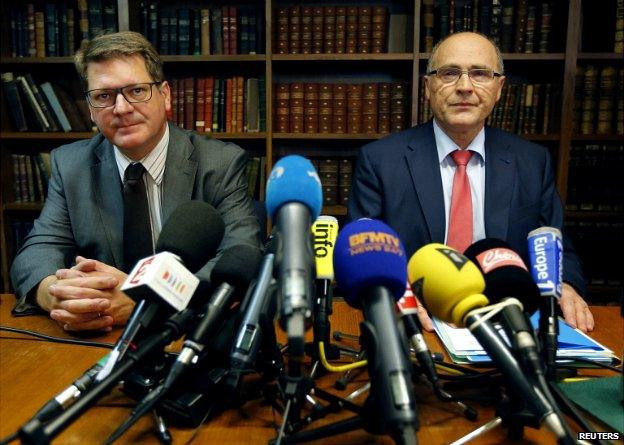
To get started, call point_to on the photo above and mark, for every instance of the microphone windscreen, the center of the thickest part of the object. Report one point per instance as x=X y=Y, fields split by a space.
x=505 y=273
x=324 y=231
x=294 y=179
x=449 y=284
x=193 y=232
x=367 y=254
x=546 y=256
x=237 y=265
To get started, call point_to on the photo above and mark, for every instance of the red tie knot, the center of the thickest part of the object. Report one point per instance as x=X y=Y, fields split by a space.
x=461 y=157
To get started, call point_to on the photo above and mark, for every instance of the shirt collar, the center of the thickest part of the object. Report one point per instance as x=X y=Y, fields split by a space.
x=154 y=161
x=446 y=146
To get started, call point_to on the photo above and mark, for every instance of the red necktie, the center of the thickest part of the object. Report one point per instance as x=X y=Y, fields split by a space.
x=460 y=220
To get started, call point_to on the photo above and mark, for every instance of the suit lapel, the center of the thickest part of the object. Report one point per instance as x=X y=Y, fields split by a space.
x=500 y=177
x=180 y=171
x=109 y=198
x=424 y=166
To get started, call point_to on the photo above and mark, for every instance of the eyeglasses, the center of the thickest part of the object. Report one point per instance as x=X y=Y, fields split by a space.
x=106 y=97
x=452 y=75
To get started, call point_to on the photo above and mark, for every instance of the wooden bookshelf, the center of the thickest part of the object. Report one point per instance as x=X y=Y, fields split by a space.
x=558 y=65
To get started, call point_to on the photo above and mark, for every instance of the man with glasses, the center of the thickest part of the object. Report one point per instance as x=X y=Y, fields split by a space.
x=79 y=252
x=455 y=180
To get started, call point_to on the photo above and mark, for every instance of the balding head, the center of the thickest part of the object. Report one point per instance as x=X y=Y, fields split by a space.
x=449 y=39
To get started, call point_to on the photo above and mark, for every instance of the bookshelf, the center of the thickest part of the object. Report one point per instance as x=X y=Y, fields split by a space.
x=572 y=43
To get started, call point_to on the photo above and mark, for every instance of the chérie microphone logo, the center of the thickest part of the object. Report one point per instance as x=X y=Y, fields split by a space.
x=142 y=269
x=499 y=257
x=374 y=242
x=175 y=283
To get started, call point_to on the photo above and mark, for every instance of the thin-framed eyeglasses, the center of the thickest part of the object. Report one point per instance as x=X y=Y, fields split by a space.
x=449 y=74
x=106 y=97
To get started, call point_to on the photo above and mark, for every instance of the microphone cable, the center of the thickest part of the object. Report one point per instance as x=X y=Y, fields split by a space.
x=54 y=339
x=334 y=368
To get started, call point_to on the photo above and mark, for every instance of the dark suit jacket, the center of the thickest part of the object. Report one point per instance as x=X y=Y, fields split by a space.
x=83 y=213
x=397 y=179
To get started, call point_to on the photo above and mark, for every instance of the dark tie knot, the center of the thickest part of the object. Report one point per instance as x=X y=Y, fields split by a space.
x=134 y=173
x=461 y=157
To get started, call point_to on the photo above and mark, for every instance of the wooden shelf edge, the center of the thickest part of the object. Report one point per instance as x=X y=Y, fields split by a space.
x=216 y=58
x=336 y=210
x=329 y=136
x=37 y=60
x=343 y=57
x=7 y=135
x=598 y=137
x=23 y=206
x=600 y=56
x=590 y=214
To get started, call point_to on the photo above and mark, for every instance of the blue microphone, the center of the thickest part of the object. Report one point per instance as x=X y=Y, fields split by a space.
x=546 y=255
x=294 y=199
x=371 y=271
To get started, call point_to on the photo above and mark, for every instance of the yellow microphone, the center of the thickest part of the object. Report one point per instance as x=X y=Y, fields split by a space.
x=324 y=231
x=449 y=283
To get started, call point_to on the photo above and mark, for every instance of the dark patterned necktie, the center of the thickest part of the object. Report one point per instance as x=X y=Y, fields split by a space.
x=137 y=229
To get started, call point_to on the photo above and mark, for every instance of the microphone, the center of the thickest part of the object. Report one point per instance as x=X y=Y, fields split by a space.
x=324 y=233
x=249 y=337
x=507 y=278
x=294 y=199
x=177 y=237
x=546 y=256
x=452 y=287
x=370 y=268
x=233 y=271
x=192 y=235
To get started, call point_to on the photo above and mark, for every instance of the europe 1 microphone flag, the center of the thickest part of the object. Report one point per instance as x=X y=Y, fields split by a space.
x=370 y=267
x=546 y=255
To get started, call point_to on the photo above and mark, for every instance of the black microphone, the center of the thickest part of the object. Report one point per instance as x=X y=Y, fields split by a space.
x=371 y=271
x=294 y=199
x=506 y=277
x=234 y=270
x=249 y=338
x=177 y=236
x=192 y=233
x=451 y=286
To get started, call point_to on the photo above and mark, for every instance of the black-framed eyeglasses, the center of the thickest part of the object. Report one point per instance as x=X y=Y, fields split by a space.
x=106 y=97
x=451 y=74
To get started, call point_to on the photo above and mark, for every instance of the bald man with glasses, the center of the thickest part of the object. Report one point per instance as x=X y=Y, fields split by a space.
x=454 y=180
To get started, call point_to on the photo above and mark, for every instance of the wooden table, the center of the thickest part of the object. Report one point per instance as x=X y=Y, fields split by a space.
x=32 y=371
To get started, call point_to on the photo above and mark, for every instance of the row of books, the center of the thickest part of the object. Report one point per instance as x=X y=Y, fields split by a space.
x=217 y=104
x=599 y=100
x=518 y=26
x=218 y=30
x=593 y=171
x=56 y=29
x=44 y=106
x=336 y=175
x=528 y=108
x=377 y=107
x=31 y=174
x=332 y=29
x=590 y=238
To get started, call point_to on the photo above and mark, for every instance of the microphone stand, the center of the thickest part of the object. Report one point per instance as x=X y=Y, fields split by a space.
x=38 y=433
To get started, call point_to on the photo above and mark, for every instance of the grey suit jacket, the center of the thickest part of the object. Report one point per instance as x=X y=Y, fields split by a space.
x=397 y=179
x=83 y=213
